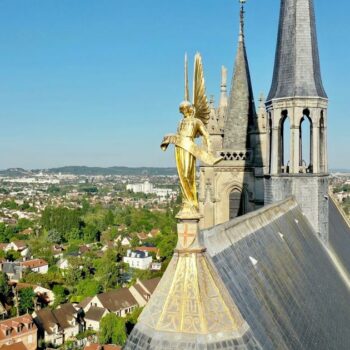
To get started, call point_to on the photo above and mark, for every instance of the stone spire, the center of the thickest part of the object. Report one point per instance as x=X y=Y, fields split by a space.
x=297 y=66
x=223 y=88
x=241 y=108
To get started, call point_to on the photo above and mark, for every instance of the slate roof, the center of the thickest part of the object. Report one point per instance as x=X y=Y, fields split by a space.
x=151 y=284
x=65 y=314
x=297 y=66
x=116 y=300
x=47 y=318
x=20 y=244
x=282 y=279
x=13 y=269
x=95 y=313
x=339 y=236
x=85 y=302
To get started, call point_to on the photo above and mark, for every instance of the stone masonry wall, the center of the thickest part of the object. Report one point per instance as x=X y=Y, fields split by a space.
x=311 y=193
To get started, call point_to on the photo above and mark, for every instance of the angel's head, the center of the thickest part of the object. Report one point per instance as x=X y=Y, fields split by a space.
x=187 y=109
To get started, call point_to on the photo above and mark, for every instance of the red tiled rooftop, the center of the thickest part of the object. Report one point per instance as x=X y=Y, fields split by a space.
x=102 y=347
x=34 y=263
x=14 y=346
x=12 y=324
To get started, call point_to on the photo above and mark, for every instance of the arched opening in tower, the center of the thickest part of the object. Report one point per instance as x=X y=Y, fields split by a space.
x=237 y=205
x=285 y=142
x=305 y=143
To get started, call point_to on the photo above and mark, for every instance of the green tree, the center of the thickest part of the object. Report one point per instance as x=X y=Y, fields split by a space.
x=74 y=234
x=91 y=233
x=7 y=232
x=107 y=271
x=26 y=300
x=5 y=289
x=131 y=319
x=9 y=204
x=112 y=330
x=74 y=273
x=88 y=288
x=60 y=294
x=166 y=245
x=46 y=280
x=54 y=236
x=119 y=251
x=3 y=238
x=109 y=218
x=12 y=255
x=135 y=242
x=53 y=189
x=23 y=224
x=40 y=247
x=62 y=219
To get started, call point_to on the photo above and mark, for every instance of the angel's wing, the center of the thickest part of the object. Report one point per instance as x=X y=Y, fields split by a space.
x=200 y=100
x=187 y=92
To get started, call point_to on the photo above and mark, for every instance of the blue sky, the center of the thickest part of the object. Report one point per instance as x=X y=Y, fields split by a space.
x=98 y=82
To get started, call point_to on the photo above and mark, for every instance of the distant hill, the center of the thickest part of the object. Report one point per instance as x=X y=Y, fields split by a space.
x=116 y=170
x=91 y=171
x=15 y=172
x=346 y=171
x=95 y=171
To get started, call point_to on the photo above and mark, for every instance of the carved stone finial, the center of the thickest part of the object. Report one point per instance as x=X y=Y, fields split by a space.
x=241 y=27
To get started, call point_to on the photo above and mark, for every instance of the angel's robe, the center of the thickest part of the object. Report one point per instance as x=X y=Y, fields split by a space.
x=189 y=128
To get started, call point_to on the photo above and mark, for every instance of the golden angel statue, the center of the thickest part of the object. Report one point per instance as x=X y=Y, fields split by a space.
x=193 y=125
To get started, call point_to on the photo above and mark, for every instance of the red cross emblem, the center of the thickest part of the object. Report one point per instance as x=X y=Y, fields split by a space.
x=187 y=234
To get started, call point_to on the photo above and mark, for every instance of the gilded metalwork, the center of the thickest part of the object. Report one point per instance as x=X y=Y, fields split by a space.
x=195 y=118
x=191 y=299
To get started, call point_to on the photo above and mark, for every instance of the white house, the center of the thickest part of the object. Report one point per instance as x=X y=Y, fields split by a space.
x=57 y=326
x=43 y=293
x=18 y=246
x=142 y=290
x=120 y=301
x=93 y=318
x=156 y=266
x=138 y=259
x=63 y=264
x=125 y=242
x=36 y=265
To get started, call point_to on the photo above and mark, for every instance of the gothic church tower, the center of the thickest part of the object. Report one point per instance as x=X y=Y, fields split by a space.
x=297 y=98
x=235 y=185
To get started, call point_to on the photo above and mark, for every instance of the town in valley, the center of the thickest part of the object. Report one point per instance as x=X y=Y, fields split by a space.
x=79 y=253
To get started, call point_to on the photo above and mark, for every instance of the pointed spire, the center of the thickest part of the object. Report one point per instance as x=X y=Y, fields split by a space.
x=297 y=70
x=241 y=109
x=241 y=22
x=223 y=88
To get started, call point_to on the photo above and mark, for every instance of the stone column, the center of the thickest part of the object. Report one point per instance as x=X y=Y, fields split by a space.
x=295 y=142
x=275 y=161
x=315 y=144
x=325 y=140
x=295 y=149
x=275 y=150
